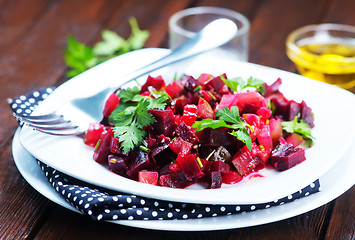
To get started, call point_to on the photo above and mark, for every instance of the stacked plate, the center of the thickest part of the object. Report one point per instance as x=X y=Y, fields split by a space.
x=333 y=148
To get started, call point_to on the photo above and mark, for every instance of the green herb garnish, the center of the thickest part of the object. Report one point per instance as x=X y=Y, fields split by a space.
x=299 y=127
x=80 y=57
x=228 y=119
x=238 y=84
x=132 y=115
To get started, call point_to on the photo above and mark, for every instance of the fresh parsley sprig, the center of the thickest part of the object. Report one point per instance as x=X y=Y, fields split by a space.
x=80 y=57
x=228 y=119
x=299 y=127
x=238 y=84
x=132 y=115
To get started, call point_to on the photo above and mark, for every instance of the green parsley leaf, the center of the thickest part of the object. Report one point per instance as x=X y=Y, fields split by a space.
x=231 y=116
x=234 y=83
x=143 y=116
x=129 y=136
x=237 y=84
x=138 y=37
x=227 y=115
x=300 y=127
x=80 y=57
x=111 y=44
x=256 y=83
x=128 y=94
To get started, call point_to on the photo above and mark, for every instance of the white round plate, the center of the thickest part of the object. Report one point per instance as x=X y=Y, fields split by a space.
x=335 y=182
x=334 y=132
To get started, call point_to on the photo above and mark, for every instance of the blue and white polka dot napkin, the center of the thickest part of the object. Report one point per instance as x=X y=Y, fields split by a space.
x=102 y=204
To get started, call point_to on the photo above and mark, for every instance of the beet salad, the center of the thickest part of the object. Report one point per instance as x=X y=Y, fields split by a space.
x=209 y=129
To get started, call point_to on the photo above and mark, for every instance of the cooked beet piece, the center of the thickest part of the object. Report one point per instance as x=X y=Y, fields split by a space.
x=103 y=150
x=285 y=156
x=117 y=164
x=215 y=83
x=116 y=147
x=281 y=105
x=219 y=166
x=221 y=154
x=294 y=110
x=139 y=161
x=244 y=162
x=216 y=137
x=306 y=114
x=190 y=167
x=174 y=180
x=189 y=82
x=159 y=145
x=186 y=133
x=156 y=82
x=215 y=180
x=273 y=88
x=165 y=123
x=231 y=177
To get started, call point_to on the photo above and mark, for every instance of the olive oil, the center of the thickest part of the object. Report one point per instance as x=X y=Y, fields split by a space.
x=332 y=62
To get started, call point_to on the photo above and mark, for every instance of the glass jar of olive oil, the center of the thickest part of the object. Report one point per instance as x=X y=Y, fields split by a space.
x=324 y=52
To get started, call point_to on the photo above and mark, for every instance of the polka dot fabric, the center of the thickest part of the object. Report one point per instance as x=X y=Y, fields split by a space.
x=102 y=204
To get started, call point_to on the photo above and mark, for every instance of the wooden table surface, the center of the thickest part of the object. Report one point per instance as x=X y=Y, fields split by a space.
x=33 y=34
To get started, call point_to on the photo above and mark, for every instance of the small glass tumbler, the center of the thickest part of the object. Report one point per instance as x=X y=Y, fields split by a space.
x=185 y=24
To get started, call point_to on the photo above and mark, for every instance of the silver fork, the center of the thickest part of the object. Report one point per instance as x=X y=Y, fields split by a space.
x=212 y=36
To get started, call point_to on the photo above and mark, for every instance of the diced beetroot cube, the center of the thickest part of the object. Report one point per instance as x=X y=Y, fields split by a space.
x=139 y=161
x=221 y=154
x=165 y=123
x=216 y=137
x=215 y=180
x=117 y=164
x=295 y=139
x=93 y=134
x=231 y=177
x=115 y=147
x=206 y=166
x=306 y=114
x=175 y=167
x=175 y=145
x=226 y=101
x=103 y=149
x=110 y=104
x=189 y=114
x=273 y=88
x=186 y=133
x=208 y=96
x=174 y=180
x=185 y=148
x=275 y=129
x=252 y=99
x=160 y=144
x=255 y=122
x=294 y=110
x=264 y=137
x=262 y=153
x=285 y=156
x=189 y=82
x=150 y=177
x=264 y=113
x=156 y=82
x=281 y=105
x=215 y=83
x=244 y=161
x=204 y=109
x=204 y=77
x=189 y=166
x=173 y=89
x=219 y=166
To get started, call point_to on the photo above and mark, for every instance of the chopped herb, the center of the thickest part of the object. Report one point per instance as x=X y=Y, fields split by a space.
x=132 y=115
x=238 y=84
x=228 y=119
x=199 y=162
x=144 y=149
x=80 y=57
x=299 y=127
x=198 y=88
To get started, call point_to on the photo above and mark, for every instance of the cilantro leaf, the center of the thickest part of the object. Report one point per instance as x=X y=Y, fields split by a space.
x=129 y=136
x=143 y=116
x=243 y=135
x=237 y=84
x=80 y=57
x=231 y=116
x=300 y=127
x=138 y=37
x=234 y=83
x=227 y=115
x=128 y=94
x=158 y=103
x=256 y=83
x=111 y=44
x=209 y=123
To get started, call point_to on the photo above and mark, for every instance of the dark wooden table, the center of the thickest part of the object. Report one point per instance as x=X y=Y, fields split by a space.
x=32 y=37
